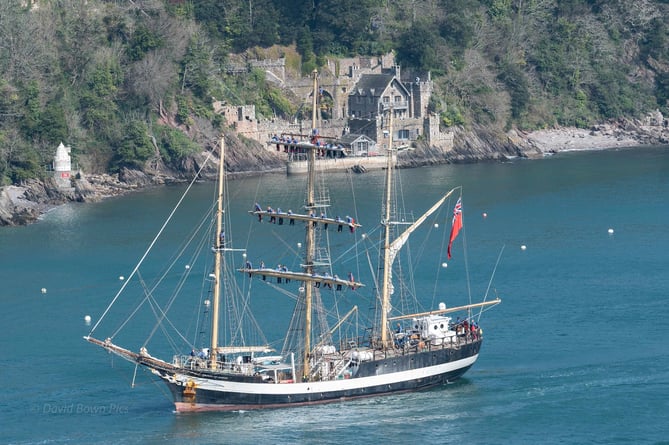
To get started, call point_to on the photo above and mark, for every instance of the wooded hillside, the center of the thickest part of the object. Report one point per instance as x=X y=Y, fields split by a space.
x=130 y=82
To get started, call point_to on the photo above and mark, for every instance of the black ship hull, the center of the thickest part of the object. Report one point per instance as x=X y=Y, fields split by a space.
x=193 y=391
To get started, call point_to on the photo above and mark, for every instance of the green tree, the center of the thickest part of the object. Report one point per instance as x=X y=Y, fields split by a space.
x=53 y=126
x=416 y=47
x=457 y=27
x=197 y=67
x=499 y=9
x=98 y=101
x=342 y=26
x=175 y=145
x=662 y=88
x=613 y=94
x=294 y=16
x=264 y=23
x=226 y=20
x=305 y=46
x=32 y=109
x=136 y=147
x=24 y=165
x=655 y=42
x=516 y=82
x=141 y=42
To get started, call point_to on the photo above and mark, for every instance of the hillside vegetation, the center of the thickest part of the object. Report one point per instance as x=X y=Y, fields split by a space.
x=128 y=83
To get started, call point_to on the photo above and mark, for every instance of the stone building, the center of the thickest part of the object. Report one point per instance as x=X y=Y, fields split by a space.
x=354 y=94
x=374 y=95
x=241 y=117
x=358 y=145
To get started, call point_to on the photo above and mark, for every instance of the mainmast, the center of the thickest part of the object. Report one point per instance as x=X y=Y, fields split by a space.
x=217 y=259
x=310 y=240
x=385 y=295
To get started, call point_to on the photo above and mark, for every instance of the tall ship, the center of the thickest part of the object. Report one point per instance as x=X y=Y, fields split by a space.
x=330 y=352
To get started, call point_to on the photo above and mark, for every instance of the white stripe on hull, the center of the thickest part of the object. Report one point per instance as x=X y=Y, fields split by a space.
x=289 y=389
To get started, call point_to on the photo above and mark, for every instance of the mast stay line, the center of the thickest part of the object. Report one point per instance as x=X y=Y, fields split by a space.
x=155 y=239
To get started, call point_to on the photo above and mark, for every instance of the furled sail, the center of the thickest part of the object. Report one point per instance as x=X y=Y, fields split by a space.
x=399 y=242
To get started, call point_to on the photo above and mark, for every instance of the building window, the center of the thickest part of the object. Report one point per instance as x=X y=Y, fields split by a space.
x=403 y=134
x=398 y=99
x=386 y=99
x=361 y=148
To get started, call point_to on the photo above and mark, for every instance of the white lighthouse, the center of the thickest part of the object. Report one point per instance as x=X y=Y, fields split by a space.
x=62 y=166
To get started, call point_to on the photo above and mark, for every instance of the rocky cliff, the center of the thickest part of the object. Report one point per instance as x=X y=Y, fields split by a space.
x=24 y=204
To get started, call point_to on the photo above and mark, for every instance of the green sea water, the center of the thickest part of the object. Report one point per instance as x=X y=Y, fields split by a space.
x=576 y=353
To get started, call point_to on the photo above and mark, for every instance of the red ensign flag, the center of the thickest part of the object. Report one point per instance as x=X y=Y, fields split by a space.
x=457 y=224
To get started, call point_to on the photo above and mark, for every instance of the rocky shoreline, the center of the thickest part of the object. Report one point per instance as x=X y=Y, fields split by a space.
x=597 y=138
x=20 y=205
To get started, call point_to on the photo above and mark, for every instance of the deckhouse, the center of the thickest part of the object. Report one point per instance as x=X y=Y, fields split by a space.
x=358 y=145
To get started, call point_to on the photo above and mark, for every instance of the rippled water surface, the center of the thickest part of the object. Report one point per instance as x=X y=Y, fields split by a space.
x=576 y=353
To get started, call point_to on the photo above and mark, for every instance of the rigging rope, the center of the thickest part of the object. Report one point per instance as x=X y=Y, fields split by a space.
x=148 y=250
x=485 y=297
x=465 y=250
x=171 y=265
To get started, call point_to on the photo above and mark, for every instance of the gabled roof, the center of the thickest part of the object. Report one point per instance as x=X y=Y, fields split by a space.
x=349 y=138
x=372 y=84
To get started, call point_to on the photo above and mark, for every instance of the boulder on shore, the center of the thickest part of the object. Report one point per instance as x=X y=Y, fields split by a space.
x=24 y=204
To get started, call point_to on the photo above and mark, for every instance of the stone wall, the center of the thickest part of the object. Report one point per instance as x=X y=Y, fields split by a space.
x=240 y=117
x=434 y=136
x=276 y=68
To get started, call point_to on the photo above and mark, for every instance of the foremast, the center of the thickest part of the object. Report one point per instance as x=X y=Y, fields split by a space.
x=219 y=239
